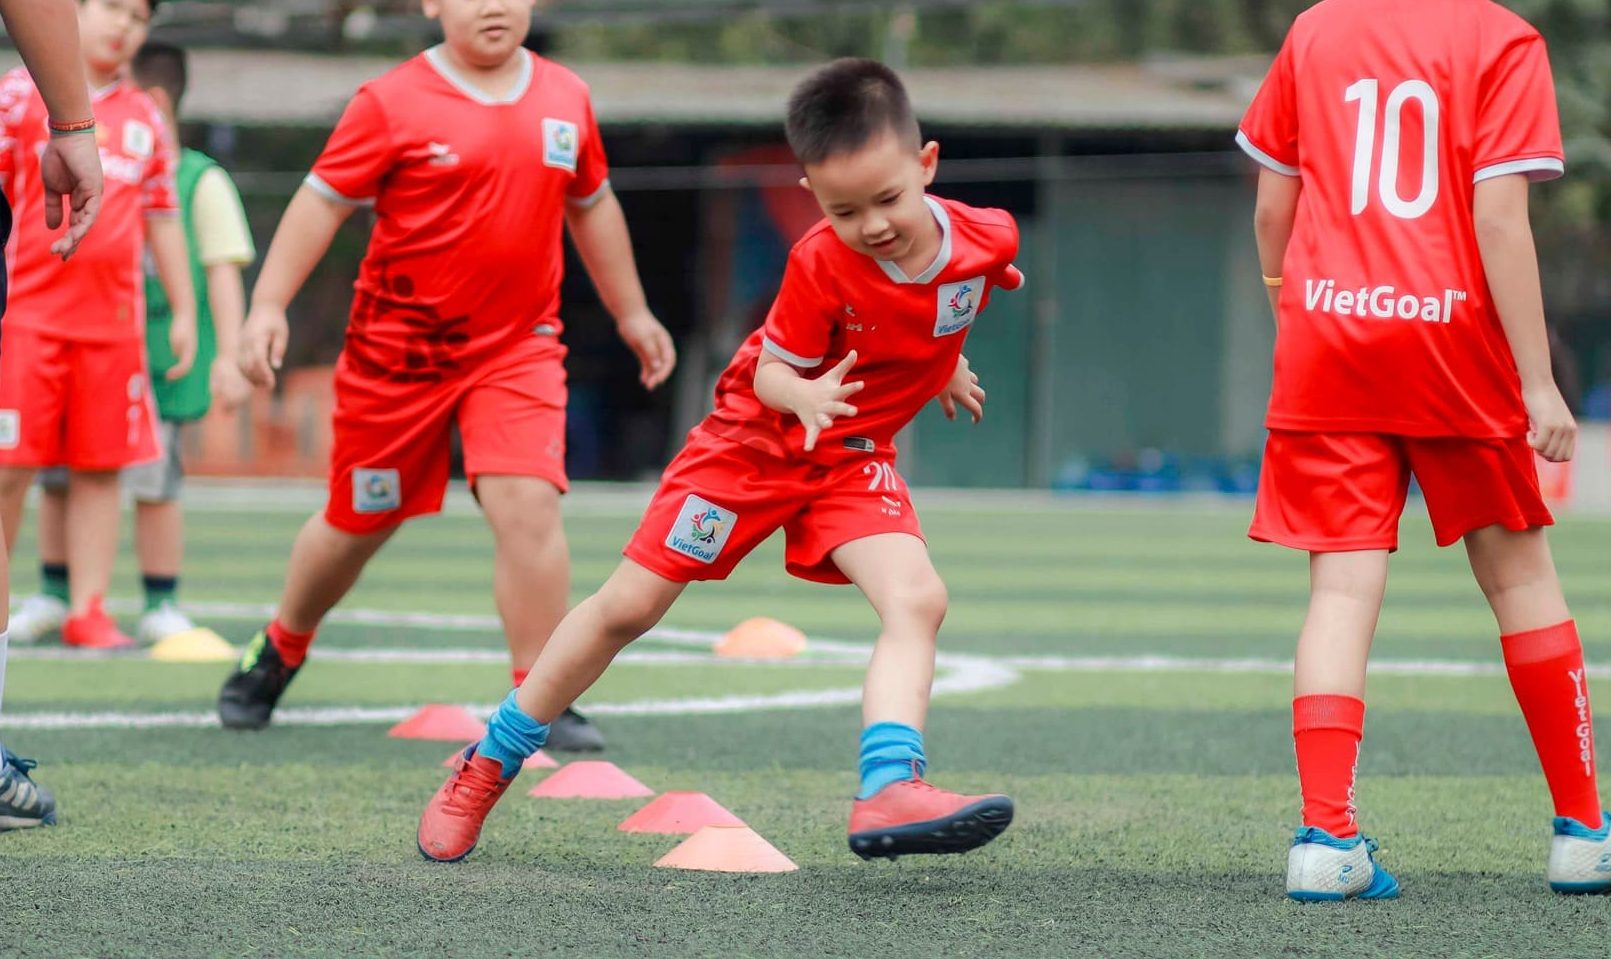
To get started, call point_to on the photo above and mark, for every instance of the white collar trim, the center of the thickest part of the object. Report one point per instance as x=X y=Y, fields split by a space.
x=942 y=259
x=439 y=61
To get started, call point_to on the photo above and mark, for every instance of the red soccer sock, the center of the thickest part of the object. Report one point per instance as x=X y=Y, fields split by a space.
x=1326 y=731
x=292 y=647
x=1546 y=672
x=519 y=675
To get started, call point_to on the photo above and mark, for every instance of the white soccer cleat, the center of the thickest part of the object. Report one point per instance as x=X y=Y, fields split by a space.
x=160 y=623
x=1580 y=857
x=1323 y=868
x=36 y=617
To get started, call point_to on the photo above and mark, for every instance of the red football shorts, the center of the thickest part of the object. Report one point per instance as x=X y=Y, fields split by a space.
x=720 y=499
x=391 y=443
x=1335 y=492
x=83 y=404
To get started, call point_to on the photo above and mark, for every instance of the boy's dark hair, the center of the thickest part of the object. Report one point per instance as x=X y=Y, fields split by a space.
x=844 y=106
x=164 y=65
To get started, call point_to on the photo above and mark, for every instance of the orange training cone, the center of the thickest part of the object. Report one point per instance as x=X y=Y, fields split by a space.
x=449 y=723
x=762 y=638
x=537 y=760
x=727 y=849
x=593 y=779
x=679 y=813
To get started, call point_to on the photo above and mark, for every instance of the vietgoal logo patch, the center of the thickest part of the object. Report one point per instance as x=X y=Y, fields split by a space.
x=376 y=491
x=701 y=530
x=560 y=144
x=958 y=304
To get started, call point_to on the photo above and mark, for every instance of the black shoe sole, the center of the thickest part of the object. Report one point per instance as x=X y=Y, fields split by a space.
x=232 y=717
x=431 y=858
x=969 y=828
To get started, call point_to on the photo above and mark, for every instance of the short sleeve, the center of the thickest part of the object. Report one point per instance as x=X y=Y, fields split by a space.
x=592 y=167
x=1518 y=125
x=1269 y=130
x=1007 y=276
x=222 y=235
x=802 y=318
x=158 y=193
x=358 y=154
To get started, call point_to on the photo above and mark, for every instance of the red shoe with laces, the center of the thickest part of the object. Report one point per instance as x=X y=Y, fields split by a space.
x=451 y=823
x=94 y=630
x=913 y=818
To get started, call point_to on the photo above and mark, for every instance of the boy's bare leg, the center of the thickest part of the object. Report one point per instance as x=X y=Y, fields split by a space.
x=159 y=537
x=1544 y=660
x=894 y=572
x=531 y=562
x=51 y=525
x=628 y=605
x=92 y=527
x=1345 y=602
x=895 y=812
x=14 y=482
x=1517 y=575
x=324 y=566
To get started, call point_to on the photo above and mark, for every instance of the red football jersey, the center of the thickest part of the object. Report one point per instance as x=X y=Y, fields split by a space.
x=469 y=194
x=99 y=294
x=907 y=332
x=1391 y=112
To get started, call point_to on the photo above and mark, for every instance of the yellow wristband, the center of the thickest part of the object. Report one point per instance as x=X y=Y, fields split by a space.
x=1272 y=281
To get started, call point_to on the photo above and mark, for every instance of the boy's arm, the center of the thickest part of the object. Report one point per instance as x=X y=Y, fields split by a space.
x=963 y=388
x=1505 y=237
x=223 y=247
x=46 y=34
x=816 y=402
x=1276 y=209
x=599 y=230
x=166 y=240
x=304 y=234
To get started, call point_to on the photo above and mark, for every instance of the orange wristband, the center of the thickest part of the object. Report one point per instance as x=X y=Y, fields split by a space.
x=72 y=126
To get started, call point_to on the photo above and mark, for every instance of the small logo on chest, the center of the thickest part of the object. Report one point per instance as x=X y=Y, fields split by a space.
x=441 y=154
x=957 y=305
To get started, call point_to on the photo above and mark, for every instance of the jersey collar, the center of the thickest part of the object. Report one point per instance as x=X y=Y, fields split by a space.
x=942 y=259
x=101 y=93
x=439 y=62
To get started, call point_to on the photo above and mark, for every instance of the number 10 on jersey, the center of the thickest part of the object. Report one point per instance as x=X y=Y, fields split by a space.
x=1368 y=94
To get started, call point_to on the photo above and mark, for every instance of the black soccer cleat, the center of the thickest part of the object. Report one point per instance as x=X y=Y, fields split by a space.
x=249 y=695
x=571 y=732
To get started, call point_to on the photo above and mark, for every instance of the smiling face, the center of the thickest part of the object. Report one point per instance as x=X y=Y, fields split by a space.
x=873 y=195
x=482 y=33
x=110 y=31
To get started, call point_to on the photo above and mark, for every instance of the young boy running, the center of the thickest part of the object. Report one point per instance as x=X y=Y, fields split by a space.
x=219 y=244
x=866 y=330
x=74 y=389
x=1398 y=141
x=475 y=156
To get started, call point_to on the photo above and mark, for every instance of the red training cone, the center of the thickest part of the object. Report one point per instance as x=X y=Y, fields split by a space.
x=679 y=813
x=537 y=760
x=761 y=638
x=448 y=723
x=594 y=779
x=727 y=849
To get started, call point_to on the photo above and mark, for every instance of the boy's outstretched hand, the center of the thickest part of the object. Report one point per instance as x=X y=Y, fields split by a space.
x=651 y=344
x=1551 y=430
x=964 y=389
x=818 y=402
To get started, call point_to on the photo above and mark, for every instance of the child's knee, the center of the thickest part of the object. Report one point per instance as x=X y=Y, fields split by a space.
x=627 y=614
x=923 y=600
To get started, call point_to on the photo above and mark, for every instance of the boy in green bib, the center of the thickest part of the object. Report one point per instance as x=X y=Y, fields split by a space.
x=219 y=244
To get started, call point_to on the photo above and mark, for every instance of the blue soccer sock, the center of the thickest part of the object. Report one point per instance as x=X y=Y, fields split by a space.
x=890 y=753
x=512 y=736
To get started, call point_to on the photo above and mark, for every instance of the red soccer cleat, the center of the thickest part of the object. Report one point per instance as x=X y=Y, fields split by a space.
x=913 y=818
x=94 y=630
x=451 y=823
